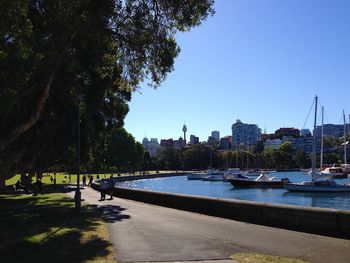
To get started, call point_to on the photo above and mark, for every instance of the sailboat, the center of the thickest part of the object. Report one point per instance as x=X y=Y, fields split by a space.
x=339 y=171
x=318 y=182
x=210 y=175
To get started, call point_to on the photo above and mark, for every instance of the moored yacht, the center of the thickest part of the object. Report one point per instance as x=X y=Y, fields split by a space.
x=263 y=181
x=215 y=175
x=318 y=181
x=334 y=172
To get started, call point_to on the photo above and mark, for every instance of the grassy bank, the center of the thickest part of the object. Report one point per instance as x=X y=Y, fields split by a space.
x=46 y=229
x=260 y=258
x=65 y=178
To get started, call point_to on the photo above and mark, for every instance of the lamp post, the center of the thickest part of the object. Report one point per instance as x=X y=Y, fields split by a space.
x=77 y=192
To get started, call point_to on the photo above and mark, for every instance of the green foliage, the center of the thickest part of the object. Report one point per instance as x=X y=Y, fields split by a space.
x=302 y=159
x=286 y=147
x=170 y=158
x=331 y=158
x=287 y=132
x=50 y=51
x=258 y=148
x=197 y=157
x=120 y=152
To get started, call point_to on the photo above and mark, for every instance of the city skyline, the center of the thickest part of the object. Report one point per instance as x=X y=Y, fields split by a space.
x=261 y=62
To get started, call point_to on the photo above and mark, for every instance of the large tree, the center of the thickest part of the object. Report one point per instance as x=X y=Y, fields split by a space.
x=51 y=51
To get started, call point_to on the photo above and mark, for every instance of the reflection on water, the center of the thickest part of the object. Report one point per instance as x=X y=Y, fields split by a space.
x=180 y=184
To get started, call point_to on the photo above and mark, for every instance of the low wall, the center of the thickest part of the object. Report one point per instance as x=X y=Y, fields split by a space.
x=329 y=222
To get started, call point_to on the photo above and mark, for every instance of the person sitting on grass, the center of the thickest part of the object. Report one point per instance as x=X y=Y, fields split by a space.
x=38 y=187
x=20 y=186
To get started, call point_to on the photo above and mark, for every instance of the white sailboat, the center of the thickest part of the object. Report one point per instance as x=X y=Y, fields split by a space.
x=318 y=182
x=341 y=171
x=210 y=175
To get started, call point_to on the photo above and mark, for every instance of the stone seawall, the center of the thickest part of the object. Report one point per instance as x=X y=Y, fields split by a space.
x=330 y=222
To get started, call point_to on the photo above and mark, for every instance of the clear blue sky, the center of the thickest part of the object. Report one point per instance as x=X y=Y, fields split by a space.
x=261 y=61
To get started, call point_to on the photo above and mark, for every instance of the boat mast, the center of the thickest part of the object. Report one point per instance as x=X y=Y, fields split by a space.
x=344 y=138
x=321 y=156
x=314 y=143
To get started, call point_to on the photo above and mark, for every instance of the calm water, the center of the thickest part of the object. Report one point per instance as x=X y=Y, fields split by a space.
x=180 y=184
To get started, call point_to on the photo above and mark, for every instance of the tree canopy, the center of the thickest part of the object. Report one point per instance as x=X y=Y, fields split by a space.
x=52 y=51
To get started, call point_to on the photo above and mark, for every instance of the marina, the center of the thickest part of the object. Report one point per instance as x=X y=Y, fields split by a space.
x=220 y=189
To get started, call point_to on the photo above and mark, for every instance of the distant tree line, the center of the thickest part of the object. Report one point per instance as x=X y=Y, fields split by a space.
x=201 y=157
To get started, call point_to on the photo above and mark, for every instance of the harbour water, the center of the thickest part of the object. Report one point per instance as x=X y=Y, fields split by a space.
x=180 y=184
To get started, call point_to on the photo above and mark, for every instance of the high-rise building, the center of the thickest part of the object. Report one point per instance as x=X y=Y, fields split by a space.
x=216 y=135
x=194 y=139
x=152 y=146
x=180 y=143
x=244 y=134
x=167 y=143
x=225 y=143
x=335 y=130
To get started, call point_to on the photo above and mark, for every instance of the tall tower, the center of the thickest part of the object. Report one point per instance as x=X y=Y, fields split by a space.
x=184 y=129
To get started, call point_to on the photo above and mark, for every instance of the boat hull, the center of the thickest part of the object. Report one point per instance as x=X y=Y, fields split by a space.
x=316 y=188
x=196 y=176
x=237 y=183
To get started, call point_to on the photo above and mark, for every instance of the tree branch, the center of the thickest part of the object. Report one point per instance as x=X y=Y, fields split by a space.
x=36 y=114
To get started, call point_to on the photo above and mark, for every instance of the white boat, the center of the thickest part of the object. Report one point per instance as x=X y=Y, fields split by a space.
x=196 y=176
x=324 y=185
x=255 y=172
x=334 y=172
x=214 y=175
x=210 y=175
x=235 y=173
x=318 y=182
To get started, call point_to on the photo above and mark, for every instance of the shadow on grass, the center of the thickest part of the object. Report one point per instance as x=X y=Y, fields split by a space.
x=46 y=228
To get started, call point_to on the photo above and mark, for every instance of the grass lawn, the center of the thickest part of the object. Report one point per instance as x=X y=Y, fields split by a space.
x=64 y=178
x=45 y=228
x=260 y=258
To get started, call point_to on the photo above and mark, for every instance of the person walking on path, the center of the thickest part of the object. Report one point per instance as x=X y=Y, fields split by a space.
x=103 y=189
x=111 y=187
x=91 y=179
x=84 y=180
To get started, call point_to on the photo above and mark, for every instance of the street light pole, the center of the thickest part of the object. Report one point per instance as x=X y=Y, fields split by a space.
x=77 y=192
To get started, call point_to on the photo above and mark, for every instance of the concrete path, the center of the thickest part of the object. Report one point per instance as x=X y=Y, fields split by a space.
x=146 y=233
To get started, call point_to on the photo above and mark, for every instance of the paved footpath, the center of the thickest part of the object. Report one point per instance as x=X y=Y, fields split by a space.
x=145 y=233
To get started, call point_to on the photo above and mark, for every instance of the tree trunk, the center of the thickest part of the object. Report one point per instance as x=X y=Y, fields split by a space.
x=2 y=184
x=19 y=130
x=35 y=115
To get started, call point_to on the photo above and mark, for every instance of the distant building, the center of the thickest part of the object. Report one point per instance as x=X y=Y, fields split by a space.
x=216 y=135
x=305 y=133
x=180 y=143
x=301 y=143
x=167 y=143
x=225 y=143
x=272 y=144
x=212 y=140
x=244 y=134
x=335 y=130
x=152 y=146
x=194 y=139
